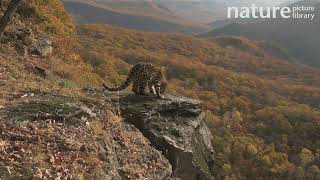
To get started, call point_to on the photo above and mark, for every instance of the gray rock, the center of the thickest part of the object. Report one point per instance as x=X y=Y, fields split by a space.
x=41 y=72
x=88 y=111
x=22 y=50
x=176 y=126
x=43 y=47
x=20 y=34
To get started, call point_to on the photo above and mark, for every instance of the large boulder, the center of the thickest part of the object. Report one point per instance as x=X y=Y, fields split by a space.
x=43 y=47
x=176 y=126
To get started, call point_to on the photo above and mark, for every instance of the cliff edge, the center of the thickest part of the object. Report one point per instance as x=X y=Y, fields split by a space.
x=176 y=126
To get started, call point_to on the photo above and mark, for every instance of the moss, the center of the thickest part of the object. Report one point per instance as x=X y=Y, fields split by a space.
x=54 y=109
x=226 y=169
x=67 y=84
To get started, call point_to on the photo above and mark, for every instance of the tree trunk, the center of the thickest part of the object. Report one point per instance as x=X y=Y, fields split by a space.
x=1 y=4
x=8 y=15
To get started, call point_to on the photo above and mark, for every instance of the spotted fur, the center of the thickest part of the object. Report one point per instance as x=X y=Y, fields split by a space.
x=144 y=75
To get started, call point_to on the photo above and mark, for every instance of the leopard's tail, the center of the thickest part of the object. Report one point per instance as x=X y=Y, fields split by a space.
x=120 y=88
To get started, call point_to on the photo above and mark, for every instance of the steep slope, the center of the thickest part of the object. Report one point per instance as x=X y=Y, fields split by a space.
x=50 y=128
x=298 y=36
x=264 y=111
x=130 y=14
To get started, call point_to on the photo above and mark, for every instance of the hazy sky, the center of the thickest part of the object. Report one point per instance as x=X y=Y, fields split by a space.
x=236 y=2
x=205 y=11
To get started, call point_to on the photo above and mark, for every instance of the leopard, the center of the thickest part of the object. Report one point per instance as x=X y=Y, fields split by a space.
x=144 y=75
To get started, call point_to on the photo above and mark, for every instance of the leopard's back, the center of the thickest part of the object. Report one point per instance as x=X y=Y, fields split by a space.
x=145 y=73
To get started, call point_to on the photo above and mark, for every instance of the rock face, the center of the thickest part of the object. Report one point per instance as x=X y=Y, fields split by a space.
x=43 y=47
x=176 y=126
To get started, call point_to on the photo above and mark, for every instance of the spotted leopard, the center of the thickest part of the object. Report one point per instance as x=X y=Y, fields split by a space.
x=144 y=75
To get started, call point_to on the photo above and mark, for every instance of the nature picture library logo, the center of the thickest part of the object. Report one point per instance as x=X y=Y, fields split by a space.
x=297 y=11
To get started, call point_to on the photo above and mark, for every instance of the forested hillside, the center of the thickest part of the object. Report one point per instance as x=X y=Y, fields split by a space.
x=265 y=112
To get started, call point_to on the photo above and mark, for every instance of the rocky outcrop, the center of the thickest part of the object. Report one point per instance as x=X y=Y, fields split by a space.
x=43 y=47
x=45 y=136
x=176 y=126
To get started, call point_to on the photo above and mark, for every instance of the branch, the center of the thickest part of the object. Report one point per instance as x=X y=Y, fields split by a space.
x=4 y=21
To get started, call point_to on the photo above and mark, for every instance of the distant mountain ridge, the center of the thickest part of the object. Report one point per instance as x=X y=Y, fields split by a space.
x=206 y=11
x=148 y=8
x=300 y=37
x=85 y=13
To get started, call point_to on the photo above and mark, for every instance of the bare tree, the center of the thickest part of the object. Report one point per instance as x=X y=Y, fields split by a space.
x=8 y=15
x=1 y=4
